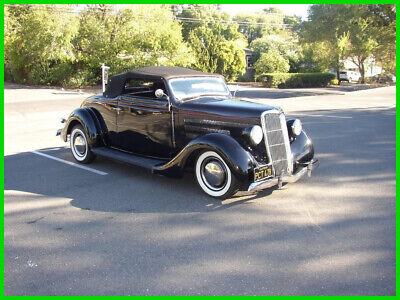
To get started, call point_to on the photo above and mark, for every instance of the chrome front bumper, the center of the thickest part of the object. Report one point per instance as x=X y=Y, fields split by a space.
x=256 y=186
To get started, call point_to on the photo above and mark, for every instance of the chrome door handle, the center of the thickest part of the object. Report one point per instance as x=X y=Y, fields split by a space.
x=117 y=108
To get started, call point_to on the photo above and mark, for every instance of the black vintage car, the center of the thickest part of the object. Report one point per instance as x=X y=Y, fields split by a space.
x=169 y=119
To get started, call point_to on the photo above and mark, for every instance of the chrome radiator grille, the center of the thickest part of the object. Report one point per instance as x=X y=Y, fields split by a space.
x=277 y=142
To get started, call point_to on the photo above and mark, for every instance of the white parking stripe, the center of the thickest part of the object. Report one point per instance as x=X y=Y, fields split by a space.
x=339 y=117
x=70 y=163
x=326 y=116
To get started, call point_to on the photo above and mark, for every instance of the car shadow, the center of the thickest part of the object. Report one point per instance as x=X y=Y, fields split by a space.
x=125 y=189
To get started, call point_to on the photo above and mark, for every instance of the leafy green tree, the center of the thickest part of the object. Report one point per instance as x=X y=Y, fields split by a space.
x=383 y=18
x=126 y=39
x=215 y=41
x=52 y=44
x=285 y=44
x=325 y=25
x=161 y=35
x=10 y=29
x=362 y=44
x=39 y=41
x=253 y=25
x=314 y=58
x=270 y=21
x=355 y=31
x=271 y=62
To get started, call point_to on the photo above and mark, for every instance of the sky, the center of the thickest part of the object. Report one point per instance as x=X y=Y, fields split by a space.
x=288 y=9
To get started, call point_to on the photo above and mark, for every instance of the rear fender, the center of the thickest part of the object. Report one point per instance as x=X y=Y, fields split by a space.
x=89 y=119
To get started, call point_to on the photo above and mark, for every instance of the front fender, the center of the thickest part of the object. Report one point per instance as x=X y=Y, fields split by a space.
x=91 y=125
x=302 y=149
x=238 y=159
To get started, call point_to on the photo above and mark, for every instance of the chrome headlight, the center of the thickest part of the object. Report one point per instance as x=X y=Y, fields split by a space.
x=256 y=134
x=296 y=127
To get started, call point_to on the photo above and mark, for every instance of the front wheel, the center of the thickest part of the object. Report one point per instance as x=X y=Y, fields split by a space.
x=214 y=176
x=79 y=145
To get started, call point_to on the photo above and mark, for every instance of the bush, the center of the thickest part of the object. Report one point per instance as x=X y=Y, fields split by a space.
x=334 y=81
x=383 y=78
x=296 y=80
x=81 y=78
x=271 y=62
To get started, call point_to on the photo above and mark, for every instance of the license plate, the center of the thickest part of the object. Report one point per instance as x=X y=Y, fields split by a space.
x=262 y=173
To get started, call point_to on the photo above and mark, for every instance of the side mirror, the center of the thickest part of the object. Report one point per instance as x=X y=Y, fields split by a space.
x=159 y=93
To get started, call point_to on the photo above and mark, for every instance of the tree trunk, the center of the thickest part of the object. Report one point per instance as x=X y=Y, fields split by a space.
x=338 y=68
x=362 y=72
x=361 y=68
x=360 y=64
x=338 y=75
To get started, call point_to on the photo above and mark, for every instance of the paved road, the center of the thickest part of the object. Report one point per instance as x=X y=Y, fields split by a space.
x=69 y=231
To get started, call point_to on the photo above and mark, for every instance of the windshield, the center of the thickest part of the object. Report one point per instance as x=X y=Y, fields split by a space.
x=193 y=87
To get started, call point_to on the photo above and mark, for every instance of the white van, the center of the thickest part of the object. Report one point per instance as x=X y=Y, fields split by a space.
x=349 y=76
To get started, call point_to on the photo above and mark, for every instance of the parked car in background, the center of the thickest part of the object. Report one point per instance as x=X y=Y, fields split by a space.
x=349 y=76
x=169 y=119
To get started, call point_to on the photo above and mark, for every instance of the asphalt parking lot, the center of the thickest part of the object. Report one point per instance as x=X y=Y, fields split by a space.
x=118 y=230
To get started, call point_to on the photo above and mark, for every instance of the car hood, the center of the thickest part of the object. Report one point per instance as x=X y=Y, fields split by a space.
x=226 y=107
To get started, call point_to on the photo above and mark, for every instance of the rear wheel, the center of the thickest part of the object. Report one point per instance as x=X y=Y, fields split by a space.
x=214 y=176
x=79 y=145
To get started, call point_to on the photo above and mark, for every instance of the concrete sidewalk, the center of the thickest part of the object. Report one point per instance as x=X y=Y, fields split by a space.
x=14 y=93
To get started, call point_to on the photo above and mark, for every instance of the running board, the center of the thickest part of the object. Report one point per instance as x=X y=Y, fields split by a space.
x=131 y=159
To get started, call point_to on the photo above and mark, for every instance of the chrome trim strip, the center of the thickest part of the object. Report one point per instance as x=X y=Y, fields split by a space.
x=193 y=121
x=287 y=143
x=264 y=127
x=173 y=127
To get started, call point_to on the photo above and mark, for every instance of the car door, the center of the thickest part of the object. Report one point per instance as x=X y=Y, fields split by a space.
x=144 y=125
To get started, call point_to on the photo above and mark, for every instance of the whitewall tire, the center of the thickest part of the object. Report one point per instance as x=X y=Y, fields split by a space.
x=214 y=175
x=79 y=145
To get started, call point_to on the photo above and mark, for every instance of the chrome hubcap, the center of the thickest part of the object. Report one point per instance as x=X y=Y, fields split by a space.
x=214 y=174
x=79 y=145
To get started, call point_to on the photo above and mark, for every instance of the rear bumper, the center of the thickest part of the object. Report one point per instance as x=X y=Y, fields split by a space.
x=256 y=186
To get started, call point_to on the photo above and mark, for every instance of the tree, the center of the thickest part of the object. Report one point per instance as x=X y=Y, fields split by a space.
x=285 y=44
x=249 y=25
x=215 y=41
x=362 y=44
x=10 y=29
x=383 y=17
x=129 y=38
x=325 y=24
x=314 y=57
x=271 y=62
x=355 y=31
x=38 y=41
x=271 y=21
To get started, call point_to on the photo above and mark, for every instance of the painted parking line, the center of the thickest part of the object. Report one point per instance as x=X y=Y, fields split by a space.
x=70 y=163
x=326 y=116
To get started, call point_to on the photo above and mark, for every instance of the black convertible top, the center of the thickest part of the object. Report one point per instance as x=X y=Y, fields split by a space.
x=116 y=84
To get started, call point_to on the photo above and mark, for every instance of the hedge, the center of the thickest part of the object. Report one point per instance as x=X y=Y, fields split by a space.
x=296 y=80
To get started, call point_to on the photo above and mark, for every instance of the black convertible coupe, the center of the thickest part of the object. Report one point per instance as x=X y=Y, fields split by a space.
x=169 y=119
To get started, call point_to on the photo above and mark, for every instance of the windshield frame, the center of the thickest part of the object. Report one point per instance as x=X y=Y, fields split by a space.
x=227 y=94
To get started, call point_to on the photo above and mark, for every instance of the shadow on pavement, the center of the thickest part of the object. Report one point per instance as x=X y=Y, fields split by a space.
x=125 y=189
